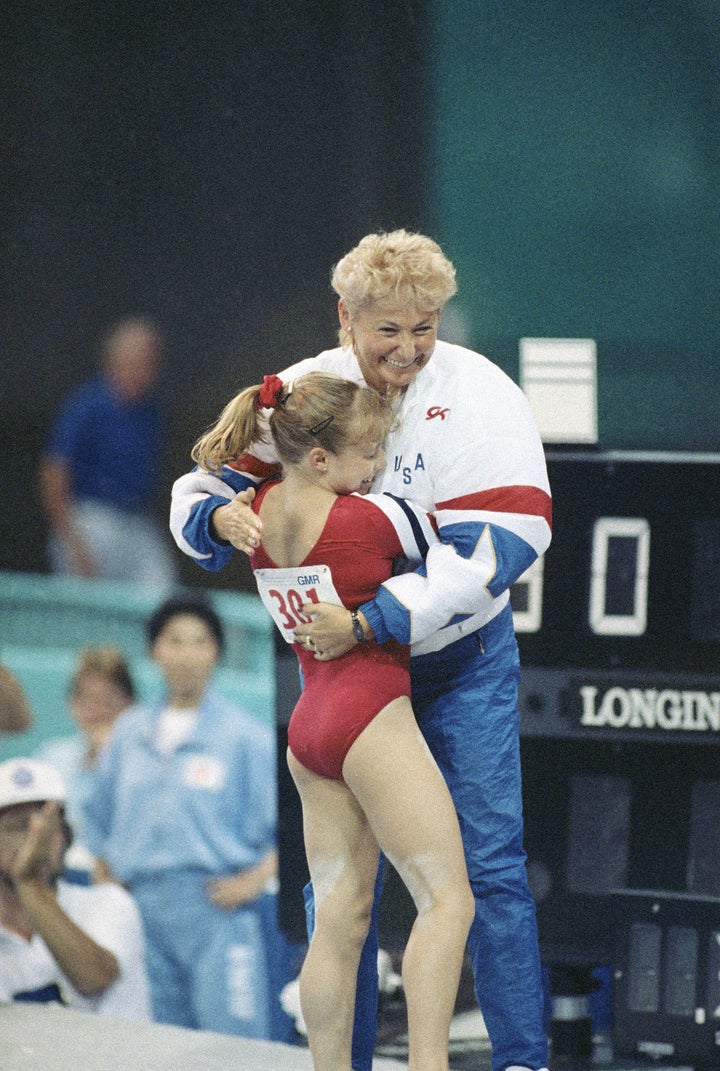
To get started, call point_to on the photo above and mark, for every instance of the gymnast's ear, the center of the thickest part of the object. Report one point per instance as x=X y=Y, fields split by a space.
x=318 y=459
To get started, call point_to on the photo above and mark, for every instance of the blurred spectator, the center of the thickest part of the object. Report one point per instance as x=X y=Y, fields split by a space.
x=184 y=813
x=15 y=713
x=99 y=467
x=100 y=689
x=60 y=942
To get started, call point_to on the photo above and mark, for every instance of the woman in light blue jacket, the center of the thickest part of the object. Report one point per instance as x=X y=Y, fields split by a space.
x=184 y=814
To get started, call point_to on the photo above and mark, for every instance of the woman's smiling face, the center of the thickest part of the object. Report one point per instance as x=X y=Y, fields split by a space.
x=391 y=344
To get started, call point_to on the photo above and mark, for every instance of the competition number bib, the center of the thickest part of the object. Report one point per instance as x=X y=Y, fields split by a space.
x=284 y=591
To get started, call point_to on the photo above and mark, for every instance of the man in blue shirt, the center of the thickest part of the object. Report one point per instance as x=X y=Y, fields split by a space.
x=98 y=471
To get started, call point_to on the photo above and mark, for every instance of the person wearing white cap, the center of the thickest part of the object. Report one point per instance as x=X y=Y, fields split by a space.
x=78 y=945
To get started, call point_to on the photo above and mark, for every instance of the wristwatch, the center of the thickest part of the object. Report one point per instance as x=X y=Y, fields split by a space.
x=358 y=631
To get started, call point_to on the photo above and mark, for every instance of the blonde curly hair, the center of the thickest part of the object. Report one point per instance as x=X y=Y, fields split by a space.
x=397 y=267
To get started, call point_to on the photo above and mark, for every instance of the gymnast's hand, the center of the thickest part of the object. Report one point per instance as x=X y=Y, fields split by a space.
x=330 y=632
x=237 y=524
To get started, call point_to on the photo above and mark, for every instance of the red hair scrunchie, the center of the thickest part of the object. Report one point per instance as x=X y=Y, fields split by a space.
x=269 y=392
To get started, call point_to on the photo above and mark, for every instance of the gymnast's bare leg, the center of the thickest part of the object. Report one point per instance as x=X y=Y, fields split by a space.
x=393 y=798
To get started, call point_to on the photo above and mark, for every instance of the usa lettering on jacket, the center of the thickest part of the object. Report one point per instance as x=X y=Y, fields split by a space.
x=407 y=471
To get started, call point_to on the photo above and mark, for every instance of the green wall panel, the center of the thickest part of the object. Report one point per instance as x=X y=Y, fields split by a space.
x=576 y=186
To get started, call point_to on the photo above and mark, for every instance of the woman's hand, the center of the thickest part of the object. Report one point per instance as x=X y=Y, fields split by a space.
x=234 y=890
x=237 y=524
x=330 y=632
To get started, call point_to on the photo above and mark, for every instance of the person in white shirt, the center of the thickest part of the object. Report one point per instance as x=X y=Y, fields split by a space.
x=466 y=449
x=77 y=945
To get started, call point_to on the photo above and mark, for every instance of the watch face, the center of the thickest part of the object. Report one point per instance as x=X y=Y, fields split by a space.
x=358 y=631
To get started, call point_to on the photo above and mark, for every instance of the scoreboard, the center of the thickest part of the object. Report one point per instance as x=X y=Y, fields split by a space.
x=619 y=635
x=632 y=575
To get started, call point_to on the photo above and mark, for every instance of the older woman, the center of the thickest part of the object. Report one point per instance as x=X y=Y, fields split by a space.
x=465 y=447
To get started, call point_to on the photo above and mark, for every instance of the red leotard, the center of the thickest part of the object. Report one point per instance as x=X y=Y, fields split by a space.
x=340 y=698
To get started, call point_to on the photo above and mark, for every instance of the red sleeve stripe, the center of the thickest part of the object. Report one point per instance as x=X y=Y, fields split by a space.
x=260 y=470
x=516 y=499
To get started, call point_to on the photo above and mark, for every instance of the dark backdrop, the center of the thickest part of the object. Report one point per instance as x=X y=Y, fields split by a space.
x=202 y=164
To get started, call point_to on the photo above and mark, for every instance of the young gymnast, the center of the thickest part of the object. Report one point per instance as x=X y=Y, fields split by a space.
x=365 y=776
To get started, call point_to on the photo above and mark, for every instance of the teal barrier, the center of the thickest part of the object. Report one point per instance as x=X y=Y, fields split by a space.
x=44 y=620
x=50 y=611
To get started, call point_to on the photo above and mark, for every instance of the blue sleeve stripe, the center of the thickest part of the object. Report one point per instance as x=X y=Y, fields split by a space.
x=412 y=519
